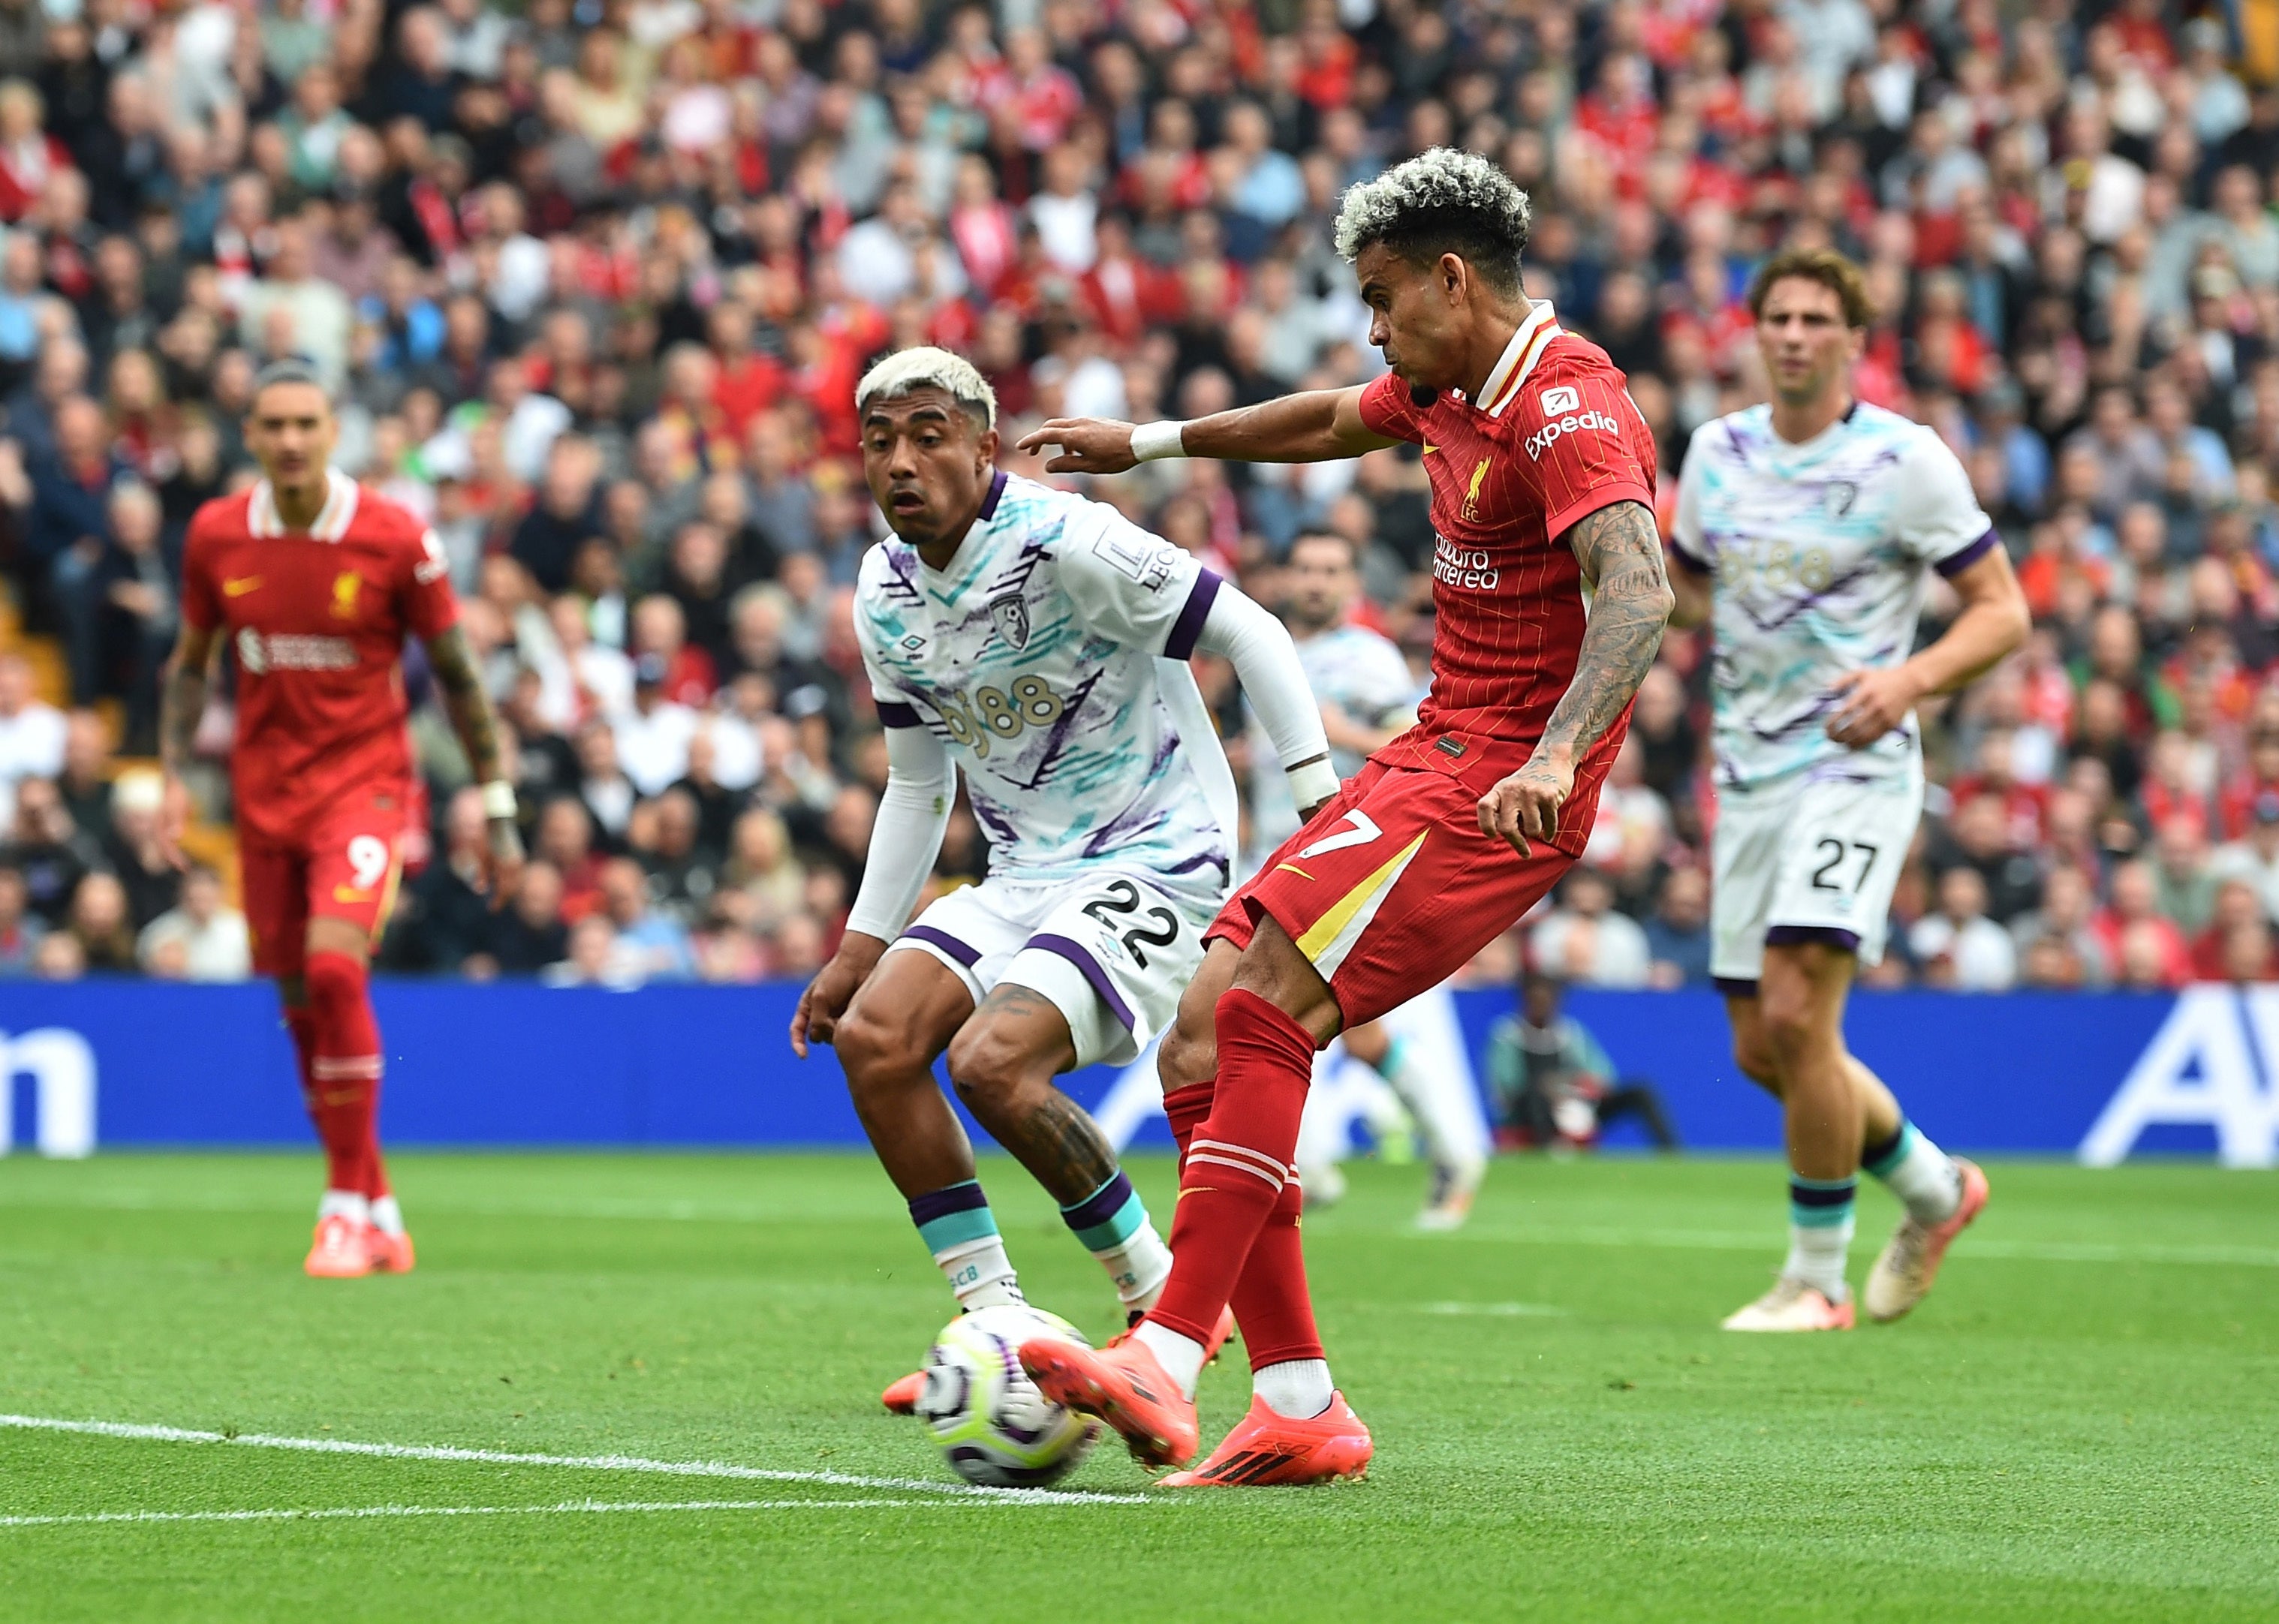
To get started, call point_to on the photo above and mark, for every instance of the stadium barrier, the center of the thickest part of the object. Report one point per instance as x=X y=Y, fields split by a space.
x=144 y=1063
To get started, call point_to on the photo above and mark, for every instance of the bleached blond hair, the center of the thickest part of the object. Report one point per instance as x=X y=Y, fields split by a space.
x=925 y=367
x=1441 y=202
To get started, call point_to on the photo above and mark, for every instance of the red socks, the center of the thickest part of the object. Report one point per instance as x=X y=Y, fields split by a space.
x=1236 y=1187
x=339 y=1045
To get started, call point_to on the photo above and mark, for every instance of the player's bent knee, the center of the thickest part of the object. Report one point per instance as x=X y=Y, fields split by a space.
x=332 y=980
x=990 y=1068
x=1758 y=1063
x=874 y=1051
x=1189 y=1054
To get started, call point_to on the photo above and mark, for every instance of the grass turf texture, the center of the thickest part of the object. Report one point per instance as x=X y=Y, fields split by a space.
x=2080 y=1423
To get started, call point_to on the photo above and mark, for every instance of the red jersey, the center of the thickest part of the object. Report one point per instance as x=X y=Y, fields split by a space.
x=1556 y=440
x=316 y=620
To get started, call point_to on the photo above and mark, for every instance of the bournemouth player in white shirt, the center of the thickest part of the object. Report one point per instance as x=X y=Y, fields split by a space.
x=1369 y=698
x=1806 y=533
x=1036 y=643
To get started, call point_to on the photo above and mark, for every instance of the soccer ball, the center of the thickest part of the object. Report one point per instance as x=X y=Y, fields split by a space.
x=993 y=1426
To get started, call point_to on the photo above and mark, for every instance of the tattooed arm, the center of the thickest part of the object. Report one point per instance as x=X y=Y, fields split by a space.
x=1620 y=554
x=181 y=701
x=477 y=726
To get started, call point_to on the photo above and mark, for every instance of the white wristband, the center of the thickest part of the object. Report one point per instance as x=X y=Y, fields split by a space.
x=1152 y=441
x=1313 y=784
x=498 y=799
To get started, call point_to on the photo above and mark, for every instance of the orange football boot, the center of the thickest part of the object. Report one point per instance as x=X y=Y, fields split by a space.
x=391 y=1254
x=901 y=1395
x=1126 y=1385
x=339 y=1251
x=1265 y=1450
x=1221 y=1334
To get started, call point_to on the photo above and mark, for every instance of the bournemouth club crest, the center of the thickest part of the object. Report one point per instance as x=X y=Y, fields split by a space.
x=1011 y=616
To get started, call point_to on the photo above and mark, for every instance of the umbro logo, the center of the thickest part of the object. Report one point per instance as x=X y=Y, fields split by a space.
x=912 y=643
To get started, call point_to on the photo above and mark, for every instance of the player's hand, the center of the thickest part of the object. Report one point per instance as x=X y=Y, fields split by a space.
x=1870 y=703
x=503 y=861
x=833 y=988
x=174 y=821
x=1088 y=445
x=1525 y=808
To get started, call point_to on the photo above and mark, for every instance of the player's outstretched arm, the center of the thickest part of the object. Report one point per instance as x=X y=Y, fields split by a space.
x=1316 y=425
x=477 y=726
x=1620 y=550
x=905 y=839
x=1993 y=621
x=1265 y=662
x=181 y=701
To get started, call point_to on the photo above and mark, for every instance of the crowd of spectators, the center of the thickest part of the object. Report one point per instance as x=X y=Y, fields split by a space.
x=594 y=279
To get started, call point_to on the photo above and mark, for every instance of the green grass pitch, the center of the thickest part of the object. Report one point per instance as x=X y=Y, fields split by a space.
x=2083 y=1422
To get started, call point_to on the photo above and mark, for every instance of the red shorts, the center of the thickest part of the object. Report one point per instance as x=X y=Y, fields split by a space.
x=1391 y=888
x=345 y=865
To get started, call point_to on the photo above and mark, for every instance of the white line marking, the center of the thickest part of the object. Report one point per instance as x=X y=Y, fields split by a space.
x=742 y=1213
x=593 y=1463
x=1497 y=1310
x=1731 y=1240
x=283 y=1514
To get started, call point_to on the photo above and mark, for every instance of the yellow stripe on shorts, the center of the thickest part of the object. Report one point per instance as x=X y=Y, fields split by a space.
x=1325 y=929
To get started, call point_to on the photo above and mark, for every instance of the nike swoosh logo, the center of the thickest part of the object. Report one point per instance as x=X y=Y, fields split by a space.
x=239 y=588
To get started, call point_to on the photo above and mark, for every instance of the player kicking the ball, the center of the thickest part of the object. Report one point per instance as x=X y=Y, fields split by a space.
x=315 y=584
x=1035 y=641
x=1367 y=699
x=1807 y=531
x=1542 y=476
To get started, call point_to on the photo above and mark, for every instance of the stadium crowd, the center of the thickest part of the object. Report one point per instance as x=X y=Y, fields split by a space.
x=595 y=279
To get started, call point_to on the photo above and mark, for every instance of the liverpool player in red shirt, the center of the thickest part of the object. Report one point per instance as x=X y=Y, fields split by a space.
x=314 y=584
x=1551 y=600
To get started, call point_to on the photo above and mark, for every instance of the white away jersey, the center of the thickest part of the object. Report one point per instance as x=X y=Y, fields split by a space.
x=1362 y=674
x=1050 y=660
x=1819 y=554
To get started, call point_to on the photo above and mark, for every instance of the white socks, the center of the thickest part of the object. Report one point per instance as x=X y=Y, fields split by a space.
x=349 y=1204
x=1297 y=1388
x=1181 y=1357
x=386 y=1217
x=1139 y=1266
x=1817 y=1255
x=1923 y=1176
x=980 y=1274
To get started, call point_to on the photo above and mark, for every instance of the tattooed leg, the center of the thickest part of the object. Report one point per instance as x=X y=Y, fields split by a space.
x=1003 y=1064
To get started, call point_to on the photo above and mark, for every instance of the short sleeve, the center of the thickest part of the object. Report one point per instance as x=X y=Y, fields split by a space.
x=201 y=607
x=1937 y=517
x=1587 y=444
x=1686 y=541
x=1132 y=588
x=1387 y=409
x=430 y=607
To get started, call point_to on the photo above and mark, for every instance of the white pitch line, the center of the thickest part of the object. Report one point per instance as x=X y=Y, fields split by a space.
x=1735 y=1240
x=1497 y=1310
x=593 y=1463
x=564 y=1507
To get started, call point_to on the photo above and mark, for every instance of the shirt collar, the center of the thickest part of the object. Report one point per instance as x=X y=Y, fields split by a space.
x=1519 y=357
x=333 y=519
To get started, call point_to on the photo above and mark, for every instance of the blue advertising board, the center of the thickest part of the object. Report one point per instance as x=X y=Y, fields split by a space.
x=138 y=1063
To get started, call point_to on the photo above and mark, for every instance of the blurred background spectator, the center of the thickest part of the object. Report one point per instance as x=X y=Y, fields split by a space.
x=595 y=281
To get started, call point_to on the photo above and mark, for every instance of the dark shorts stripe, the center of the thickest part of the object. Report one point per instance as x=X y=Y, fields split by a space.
x=1698 y=566
x=1076 y=953
x=966 y=955
x=892 y=714
x=1734 y=986
x=1796 y=936
x=1189 y=626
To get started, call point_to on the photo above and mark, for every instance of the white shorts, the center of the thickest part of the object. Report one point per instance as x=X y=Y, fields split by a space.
x=1806 y=862
x=1113 y=951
